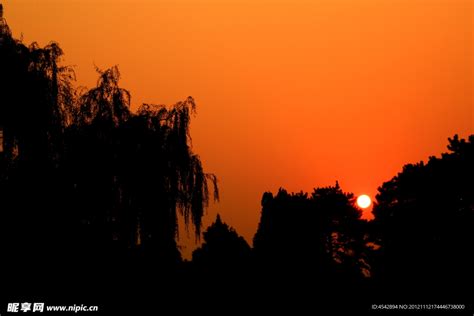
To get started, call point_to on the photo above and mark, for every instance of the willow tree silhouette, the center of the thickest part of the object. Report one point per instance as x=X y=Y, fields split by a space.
x=80 y=172
x=137 y=170
x=320 y=236
x=36 y=97
x=86 y=183
x=424 y=219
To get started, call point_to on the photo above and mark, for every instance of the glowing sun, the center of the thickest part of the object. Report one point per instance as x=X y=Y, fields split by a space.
x=364 y=201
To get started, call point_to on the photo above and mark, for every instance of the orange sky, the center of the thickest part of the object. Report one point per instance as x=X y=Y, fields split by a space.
x=291 y=93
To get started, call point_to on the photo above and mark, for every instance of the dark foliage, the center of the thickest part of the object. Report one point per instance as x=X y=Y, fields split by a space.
x=79 y=171
x=222 y=247
x=92 y=191
x=319 y=235
x=424 y=219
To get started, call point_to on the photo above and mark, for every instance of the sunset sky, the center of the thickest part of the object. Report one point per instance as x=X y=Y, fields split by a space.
x=290 y=93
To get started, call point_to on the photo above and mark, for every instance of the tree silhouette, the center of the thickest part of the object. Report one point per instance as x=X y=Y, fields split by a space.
x=320 y=235
x=222 y=247
x=424 y=218
x=107 y=102
x=36 y=97
x=137 y=170
x=98 y=177
x=90 y=187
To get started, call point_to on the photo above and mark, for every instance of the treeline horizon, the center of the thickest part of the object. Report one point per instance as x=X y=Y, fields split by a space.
x=91 y=188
